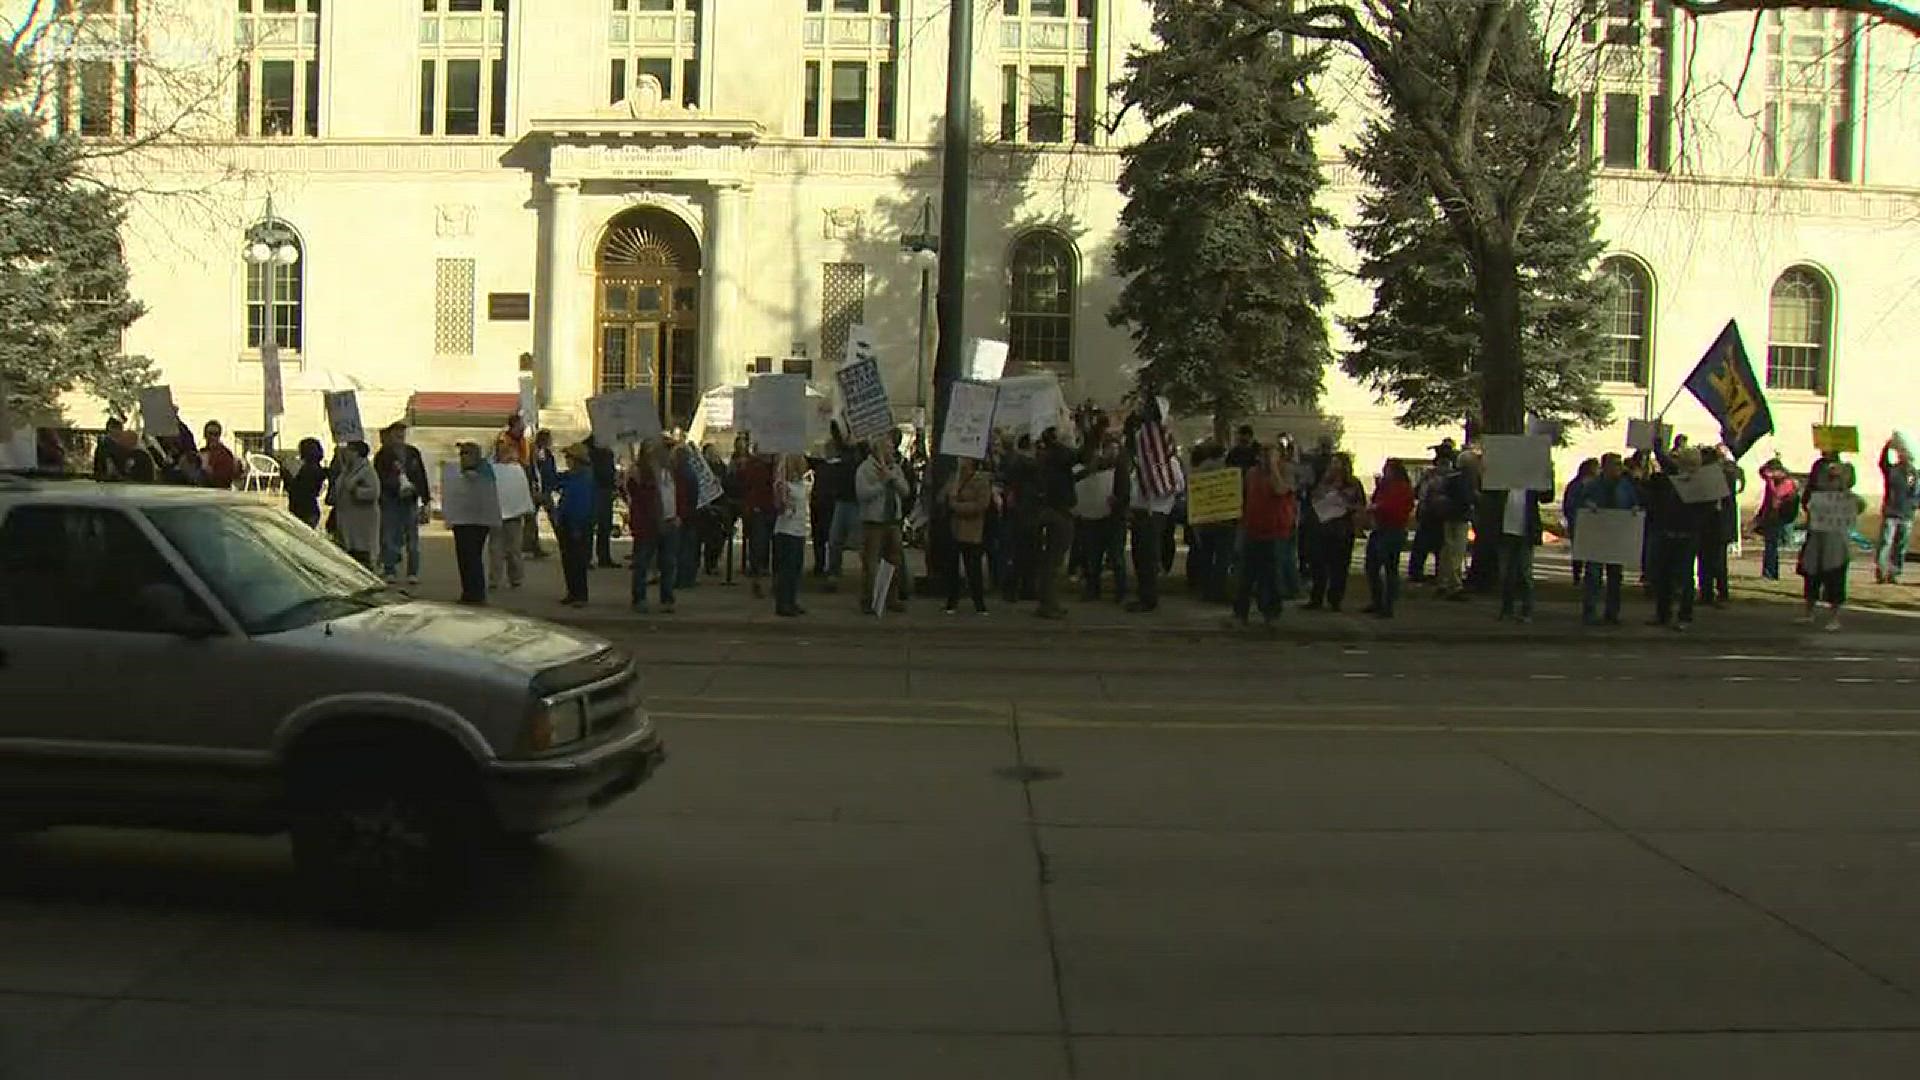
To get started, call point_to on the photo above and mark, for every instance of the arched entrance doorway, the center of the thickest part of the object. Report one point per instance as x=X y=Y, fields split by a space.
x=647 y=311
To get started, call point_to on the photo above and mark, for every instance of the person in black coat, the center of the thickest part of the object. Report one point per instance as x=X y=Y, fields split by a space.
x=1674 y=526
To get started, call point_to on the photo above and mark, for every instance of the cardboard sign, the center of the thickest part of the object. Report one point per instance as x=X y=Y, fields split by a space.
x=1091 y=495
x=529 y=403
x=882 y=587
x=1517 y=463
x=1648 y=435
x=469 y=498
x=777 y=413
x=343 y=416
x=273 y=391
x=1031 y=403
x=158 y=416
x=1833 y=439
x=516 y=496
x=1609 y=537
x=626 y=418
x=1832 y=512
x=1213 y=497
x=986 y=359
x=710 y=488
x=1703 y=485
x=863 y=398
x=969 y=420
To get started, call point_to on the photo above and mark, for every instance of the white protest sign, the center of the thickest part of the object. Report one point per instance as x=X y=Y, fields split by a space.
x=343 y=415
x=882 y=586
x=777 y=413
x=623 y=418
x=1091 y=494
x=516 y=497
x=1517 y=463
x=1031 y=403
x=710 y=488
x=1551 y=429
x=469 y=498
x=969 y=420
x=1609 y=537
x=272 y=389
x=1648 y=435
x=1330 y=506
x=859 y=345
x=863 y=399
x=1702 y=485
x=157 y=413
x=529 y=402
x=986 y=359
x=1832 y=512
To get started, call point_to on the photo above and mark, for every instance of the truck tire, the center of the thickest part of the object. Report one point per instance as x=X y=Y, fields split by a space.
x=382 y=841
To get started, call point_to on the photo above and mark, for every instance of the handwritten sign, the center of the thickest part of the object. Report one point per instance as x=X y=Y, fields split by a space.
x=709 y=484
x=860 y=345
x=1703 y=485
x=469 y=498
x=1329 y=507
x=1609 y=537
x=1091 y=494
x=777 y=413
x=986 y=359
x=1648 y=434
x=625 y=418
x=863 y=399
x=1832 y=512
x=516 y=497
x=969 y=421
x=1031 y=403
x=1214 y=497
x=1517 y=463
x=343 y=415
x=1833 y=439
x=158 y=416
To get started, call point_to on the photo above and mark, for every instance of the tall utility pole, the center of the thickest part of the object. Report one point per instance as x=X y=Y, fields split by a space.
x=955 y=185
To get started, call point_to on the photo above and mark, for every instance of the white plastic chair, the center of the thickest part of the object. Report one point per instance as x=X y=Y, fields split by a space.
x=263 y=473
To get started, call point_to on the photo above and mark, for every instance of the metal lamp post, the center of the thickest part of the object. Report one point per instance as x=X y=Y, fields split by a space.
x=955 y=190
x=266 y=256
x=924 y=245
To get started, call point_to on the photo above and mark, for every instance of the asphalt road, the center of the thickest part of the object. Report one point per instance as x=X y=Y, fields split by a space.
x=877 y=858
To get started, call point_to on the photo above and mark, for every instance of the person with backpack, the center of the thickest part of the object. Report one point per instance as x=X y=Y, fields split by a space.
x=1270 y=514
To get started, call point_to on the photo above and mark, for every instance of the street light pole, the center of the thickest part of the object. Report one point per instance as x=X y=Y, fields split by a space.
x=954 y=189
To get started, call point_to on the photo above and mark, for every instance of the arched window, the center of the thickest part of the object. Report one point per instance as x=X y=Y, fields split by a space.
x=1628 y=314
x=1040 y=308
x=1800 y=331
x=276 y=268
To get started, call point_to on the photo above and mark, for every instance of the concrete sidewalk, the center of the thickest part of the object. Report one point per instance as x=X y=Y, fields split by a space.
x=1761 y=611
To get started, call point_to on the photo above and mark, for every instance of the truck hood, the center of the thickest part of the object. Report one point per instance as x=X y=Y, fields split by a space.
x=456 y=635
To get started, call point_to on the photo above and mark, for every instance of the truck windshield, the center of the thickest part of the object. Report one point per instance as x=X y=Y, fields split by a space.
x=272 y=572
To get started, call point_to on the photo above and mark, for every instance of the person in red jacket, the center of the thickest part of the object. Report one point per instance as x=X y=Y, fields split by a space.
x=1270 y=514
x=1390 y=510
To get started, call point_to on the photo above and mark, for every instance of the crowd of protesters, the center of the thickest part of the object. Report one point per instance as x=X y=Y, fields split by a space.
x=1016 y=524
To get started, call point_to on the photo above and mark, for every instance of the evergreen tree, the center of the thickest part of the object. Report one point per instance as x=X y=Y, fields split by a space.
x=1225 y=283
x=63 y=282
x=1421 y=344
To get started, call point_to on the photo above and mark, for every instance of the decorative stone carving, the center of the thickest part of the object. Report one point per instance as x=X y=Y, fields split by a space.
x=845 y=223
x=648 y=99
x=453 y=220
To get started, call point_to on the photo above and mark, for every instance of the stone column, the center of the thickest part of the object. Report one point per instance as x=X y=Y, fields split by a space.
x=723 y=351
x=565 y=371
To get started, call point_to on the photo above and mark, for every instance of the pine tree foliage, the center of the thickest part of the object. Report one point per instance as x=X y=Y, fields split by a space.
x=1226 y=286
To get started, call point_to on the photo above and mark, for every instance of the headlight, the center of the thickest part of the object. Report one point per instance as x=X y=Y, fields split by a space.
x=556 y=725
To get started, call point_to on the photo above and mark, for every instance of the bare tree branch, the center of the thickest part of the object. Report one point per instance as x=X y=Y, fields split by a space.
x=1890 y=12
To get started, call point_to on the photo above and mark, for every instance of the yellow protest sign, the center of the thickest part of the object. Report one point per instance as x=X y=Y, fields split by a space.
x=1213 y=497
x=1833 y=439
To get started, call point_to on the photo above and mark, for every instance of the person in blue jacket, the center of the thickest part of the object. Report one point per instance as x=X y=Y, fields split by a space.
x=1610 y=489
x=573 y=514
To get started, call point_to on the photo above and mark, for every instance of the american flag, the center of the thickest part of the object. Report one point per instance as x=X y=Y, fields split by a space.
x=1159 y=472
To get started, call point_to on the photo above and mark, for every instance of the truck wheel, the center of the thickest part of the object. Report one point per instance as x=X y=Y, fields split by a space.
x=381 y=845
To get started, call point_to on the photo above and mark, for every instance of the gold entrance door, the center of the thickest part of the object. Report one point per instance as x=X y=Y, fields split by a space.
x=648 y=312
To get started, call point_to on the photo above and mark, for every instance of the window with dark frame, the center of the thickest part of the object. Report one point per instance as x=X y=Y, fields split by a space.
x=1799 y=332
x=1042 y=278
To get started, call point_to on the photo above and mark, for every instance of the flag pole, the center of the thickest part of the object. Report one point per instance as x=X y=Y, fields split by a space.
x=1662 y=415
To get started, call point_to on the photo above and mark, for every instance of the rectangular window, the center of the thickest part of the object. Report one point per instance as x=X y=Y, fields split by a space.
x=1620 y=145
x=463 y=97
x=276 y=98
x=888 y=95
x=243 y=99
x=849 y=115
x=427 y=110
x=1659 y=120
x=1842 y=163
x=1800 y=143
x=690 y=83
x=1046 y=105
x=1586 y=128
x=1083 y=103
x=96 y=97
x=617 y=82
x=1010 y=103
x=497 y=115
x=453 y=307
x=313 y=95
x=810 y=120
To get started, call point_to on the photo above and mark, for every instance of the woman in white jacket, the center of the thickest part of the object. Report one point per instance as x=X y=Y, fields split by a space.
x=355 y=498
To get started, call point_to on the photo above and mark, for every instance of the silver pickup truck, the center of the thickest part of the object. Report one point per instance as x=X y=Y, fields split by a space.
x=182 y=659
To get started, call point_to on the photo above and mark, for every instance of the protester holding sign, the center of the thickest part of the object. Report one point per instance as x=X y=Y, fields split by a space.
x=790 y=529
x=967 y=497
x=1390 y=511
x=470 y=500
x=1334 y=503
x=1673 y=527
x=1520 y=532
x=1270 y=517
x=404 y=499
x=1828 y=551
x=881 y=483
x=653 y=516
x=1610 y=491
x=573 y=513
x=1900 y=484
x=355 y=498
